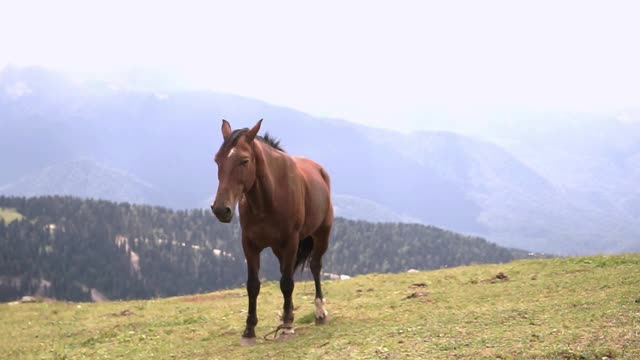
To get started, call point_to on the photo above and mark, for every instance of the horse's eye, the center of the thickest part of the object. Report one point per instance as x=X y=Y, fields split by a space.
x=244 y=162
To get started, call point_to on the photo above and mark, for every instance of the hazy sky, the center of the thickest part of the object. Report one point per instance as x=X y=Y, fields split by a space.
x=383 y=63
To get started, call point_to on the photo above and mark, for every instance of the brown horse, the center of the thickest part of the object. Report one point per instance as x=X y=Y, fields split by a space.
x=284 y=203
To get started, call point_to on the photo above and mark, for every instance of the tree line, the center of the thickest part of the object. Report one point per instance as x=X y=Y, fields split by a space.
x=64 y=247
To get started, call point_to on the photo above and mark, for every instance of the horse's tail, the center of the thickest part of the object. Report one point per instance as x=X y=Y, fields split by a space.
x=304 y=253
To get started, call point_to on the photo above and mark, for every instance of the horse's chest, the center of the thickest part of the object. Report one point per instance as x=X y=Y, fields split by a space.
x=264 y=233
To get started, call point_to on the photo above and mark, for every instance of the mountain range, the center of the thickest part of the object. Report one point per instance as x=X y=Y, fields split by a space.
x=560 y=189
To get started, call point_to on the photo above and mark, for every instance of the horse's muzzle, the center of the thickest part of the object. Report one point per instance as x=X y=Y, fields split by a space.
x=223 y=213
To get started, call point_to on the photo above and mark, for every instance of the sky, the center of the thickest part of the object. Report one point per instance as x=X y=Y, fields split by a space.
x=390 y=64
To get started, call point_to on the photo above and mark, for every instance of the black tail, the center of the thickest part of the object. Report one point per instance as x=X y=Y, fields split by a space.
x=304 y=253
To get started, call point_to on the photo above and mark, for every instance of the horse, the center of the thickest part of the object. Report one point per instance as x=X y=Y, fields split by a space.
x=284 y=203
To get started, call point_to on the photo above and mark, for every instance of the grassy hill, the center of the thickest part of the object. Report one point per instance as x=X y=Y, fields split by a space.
x=570 y=308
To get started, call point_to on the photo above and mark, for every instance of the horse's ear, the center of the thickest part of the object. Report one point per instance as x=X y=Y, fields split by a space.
x=226 y=129
x=251 y=134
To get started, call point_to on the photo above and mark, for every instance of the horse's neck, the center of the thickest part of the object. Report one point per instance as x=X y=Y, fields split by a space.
x=261 y=195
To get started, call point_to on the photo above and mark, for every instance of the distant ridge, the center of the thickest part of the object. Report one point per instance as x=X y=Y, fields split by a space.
x=84 y=178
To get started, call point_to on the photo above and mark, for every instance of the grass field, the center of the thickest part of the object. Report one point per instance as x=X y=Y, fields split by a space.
x=564 y=308
x=9 y=215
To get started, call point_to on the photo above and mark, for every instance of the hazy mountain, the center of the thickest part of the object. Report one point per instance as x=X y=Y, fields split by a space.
x=84 y=178
x=445 y=179
x=592 y=159
x=355 y=208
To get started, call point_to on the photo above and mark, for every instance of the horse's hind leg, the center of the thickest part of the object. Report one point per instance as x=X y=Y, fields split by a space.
x=320 y=245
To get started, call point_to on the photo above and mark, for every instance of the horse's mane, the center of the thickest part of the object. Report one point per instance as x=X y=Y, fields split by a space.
x=232 y=140
x=271 y=141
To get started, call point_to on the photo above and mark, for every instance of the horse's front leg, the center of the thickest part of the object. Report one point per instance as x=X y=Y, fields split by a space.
x=287 y=262
x=252 y=256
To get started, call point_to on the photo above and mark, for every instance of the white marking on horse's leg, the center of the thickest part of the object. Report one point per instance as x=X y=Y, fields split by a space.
x=285 y=331
x=321 y=312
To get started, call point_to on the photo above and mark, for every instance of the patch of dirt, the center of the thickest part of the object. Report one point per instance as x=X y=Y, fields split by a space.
x=125 y=312
x=417 y=294
x=500 y=277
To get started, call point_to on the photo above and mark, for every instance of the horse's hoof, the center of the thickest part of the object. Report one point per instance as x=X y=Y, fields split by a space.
x=285 y=336
x=321 y=312
x=286 y=333
x=321 y=320
x=245 y=341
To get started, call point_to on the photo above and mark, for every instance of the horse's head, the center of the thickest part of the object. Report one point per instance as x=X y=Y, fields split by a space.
x=236 y=169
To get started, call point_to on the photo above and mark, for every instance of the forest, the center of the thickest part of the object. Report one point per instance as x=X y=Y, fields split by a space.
x=82 y=250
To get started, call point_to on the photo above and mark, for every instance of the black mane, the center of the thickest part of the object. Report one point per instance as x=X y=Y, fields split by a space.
x=232 y=140
x=271 y=141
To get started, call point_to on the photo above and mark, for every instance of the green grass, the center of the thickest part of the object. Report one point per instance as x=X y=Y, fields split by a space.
x=10 y=214
x=570 y=308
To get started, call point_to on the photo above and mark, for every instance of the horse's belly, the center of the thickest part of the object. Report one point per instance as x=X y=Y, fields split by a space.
x=315 y=215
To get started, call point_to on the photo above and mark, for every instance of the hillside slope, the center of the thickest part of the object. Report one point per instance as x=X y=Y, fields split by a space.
x=571 y=308
x=132 y=251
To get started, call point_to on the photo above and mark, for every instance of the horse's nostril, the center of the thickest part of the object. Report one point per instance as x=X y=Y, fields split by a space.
x=227 y=211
